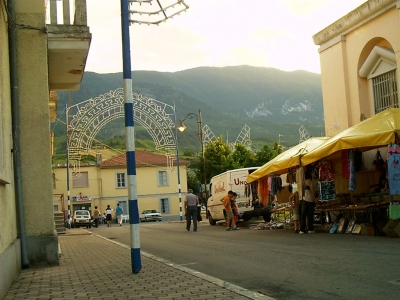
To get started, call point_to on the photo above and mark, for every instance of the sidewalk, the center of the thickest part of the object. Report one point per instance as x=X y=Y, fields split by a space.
x=92 y=267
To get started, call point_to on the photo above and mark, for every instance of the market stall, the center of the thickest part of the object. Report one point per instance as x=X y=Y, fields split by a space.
x=352 y=178
x=269 y=180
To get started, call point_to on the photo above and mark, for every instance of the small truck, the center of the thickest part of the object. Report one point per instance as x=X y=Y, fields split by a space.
x=235 y=180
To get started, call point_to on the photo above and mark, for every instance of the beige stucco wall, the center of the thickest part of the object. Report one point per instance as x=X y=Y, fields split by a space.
x=102 y=187
x=346 y=96
x=34 y=120
x=8 y=219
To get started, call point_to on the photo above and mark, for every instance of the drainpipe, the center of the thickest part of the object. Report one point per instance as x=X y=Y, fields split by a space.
x=16 y=131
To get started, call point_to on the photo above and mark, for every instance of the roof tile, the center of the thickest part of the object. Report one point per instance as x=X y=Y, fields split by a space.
x=143 y=158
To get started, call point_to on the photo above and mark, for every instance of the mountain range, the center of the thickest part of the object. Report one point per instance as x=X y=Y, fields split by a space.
x=273 y=103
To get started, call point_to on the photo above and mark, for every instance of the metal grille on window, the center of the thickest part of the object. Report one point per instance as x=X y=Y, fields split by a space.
x=385 y=91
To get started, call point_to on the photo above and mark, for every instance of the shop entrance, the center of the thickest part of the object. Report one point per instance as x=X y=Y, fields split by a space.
x=83 y=206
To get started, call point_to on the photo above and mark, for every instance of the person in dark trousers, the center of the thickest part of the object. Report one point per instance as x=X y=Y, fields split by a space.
x=191 y=202
x=199 y=218
x=307 y=207
x=109 y=215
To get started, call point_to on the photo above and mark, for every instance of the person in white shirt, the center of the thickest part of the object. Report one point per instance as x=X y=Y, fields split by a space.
x=109 y=215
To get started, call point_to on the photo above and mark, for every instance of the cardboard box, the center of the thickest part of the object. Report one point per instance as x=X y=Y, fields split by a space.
x=390 y=226
x=369 y=229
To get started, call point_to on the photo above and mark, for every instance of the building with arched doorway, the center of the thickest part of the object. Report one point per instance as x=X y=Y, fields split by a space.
x=359 y=55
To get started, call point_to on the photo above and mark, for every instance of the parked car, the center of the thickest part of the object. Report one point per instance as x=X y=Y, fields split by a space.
x=82 y=218
x=150 y=215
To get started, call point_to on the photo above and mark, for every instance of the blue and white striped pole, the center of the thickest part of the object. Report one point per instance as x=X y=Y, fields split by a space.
x=130 y=141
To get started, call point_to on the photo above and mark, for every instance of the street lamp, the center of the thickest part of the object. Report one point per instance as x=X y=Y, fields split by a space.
x=178 y=165
x=182 y=128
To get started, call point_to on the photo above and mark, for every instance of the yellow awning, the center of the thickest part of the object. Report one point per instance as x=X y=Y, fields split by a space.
x=287 y=159
x=377 y=131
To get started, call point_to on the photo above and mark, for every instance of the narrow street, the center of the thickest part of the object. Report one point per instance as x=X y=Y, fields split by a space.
x=277 y=263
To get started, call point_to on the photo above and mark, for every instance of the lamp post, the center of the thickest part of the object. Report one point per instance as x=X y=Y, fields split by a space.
x=182 y=127
x=178 y=166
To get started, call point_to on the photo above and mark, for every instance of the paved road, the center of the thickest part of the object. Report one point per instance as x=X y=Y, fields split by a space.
x=278 y=263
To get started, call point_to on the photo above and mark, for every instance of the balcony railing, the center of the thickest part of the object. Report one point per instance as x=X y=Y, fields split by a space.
x=76 y=8
x=68 y=42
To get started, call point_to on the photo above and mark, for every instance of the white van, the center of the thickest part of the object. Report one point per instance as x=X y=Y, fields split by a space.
x=234 y=180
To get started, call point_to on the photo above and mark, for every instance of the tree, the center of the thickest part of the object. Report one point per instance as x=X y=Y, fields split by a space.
x=243 y=158
x=218 y=159
x=192 y=180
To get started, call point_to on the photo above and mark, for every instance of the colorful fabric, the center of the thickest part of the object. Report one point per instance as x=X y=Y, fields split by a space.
x=326 y=190
x=352 y=172
x=325 y=171
x=394 y=173
x=394 y=211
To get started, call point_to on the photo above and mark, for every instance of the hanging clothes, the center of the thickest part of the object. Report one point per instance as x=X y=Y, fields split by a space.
x=291 y=177
x=352 y=171
x=325 y=171
x=345 y=164
x=263 y=191
x=326 y=190
x=273 y=186
x=394 y=170
x=278 y=183
x=269 y=184
x=300 y=182
x=254 y=188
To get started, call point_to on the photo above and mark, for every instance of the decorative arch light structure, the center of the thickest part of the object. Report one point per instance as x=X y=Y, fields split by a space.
x=90 y=116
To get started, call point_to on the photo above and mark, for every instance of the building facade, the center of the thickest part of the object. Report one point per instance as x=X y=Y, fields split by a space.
x=38 y=54
x=105 y=183
x=360 y=56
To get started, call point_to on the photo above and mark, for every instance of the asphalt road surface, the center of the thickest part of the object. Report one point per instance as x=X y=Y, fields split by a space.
x=278 y=263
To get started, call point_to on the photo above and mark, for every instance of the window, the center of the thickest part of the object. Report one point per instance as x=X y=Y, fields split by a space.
x=80 y=180
x=162 y=178
x=121 y=180
x=385 y=91
x=164 y=206
x=55 y=207
x=380 y=68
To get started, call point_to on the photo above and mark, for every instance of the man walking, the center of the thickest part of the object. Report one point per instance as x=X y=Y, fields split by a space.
x=119 y=211
x=191 y=202
x=96 y=216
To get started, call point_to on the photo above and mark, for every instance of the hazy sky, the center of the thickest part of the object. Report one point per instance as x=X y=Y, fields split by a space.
x=266 y=33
